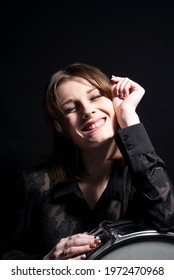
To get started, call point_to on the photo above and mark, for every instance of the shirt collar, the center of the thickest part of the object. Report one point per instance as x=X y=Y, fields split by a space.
x=61 y=190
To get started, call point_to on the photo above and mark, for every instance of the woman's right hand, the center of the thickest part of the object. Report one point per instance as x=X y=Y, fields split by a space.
x=74 y=247
x=126 y=96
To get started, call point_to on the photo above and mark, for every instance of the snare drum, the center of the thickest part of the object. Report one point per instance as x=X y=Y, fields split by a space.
x=127 y=241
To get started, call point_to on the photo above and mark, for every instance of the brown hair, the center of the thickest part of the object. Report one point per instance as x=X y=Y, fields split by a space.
x=67 y=161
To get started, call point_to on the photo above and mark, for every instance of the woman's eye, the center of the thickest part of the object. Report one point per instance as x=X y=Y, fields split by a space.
x=96 y=96
x=69 y=110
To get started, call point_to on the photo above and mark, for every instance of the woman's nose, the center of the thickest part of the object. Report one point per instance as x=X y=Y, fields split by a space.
x=87 y=111
x=87 y=115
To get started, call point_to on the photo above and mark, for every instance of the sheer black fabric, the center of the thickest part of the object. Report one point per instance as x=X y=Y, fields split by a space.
x=43 y=213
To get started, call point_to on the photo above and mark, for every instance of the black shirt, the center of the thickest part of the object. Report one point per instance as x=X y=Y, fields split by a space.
x=138 y=189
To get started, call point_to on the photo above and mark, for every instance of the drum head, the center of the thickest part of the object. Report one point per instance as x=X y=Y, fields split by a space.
x=134 y=245
x=147 y=248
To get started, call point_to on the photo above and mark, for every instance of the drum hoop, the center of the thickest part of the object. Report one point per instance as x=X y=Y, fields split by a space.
x=124 y=238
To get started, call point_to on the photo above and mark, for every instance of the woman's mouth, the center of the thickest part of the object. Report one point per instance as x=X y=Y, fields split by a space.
x=94 y=125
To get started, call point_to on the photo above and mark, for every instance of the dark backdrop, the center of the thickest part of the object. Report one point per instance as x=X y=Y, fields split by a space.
x=127 y=39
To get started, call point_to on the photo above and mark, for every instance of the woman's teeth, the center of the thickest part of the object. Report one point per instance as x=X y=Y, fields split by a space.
x=95 y=125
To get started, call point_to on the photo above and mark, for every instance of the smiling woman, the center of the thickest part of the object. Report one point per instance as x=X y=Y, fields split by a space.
x=103 y=167
x=89 y=116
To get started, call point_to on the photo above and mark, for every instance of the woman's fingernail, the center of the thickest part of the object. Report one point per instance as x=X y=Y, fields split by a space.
x=96 y=237
x=93 y=246
x=97 y=240
x=83 y=256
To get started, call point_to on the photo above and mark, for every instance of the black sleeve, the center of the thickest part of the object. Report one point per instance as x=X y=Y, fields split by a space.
x=154 y=197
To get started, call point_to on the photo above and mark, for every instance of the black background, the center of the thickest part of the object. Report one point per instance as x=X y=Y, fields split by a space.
x=125 y=39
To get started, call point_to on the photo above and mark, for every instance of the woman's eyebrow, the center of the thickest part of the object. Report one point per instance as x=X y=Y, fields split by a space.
x=72 y=100
x=92 y=89
x=67 y=102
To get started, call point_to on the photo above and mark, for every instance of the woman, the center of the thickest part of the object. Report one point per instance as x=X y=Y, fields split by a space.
x=104 y=167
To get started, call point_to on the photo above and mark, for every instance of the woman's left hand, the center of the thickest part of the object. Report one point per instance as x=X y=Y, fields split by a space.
x=74 y=247
x=126 y=96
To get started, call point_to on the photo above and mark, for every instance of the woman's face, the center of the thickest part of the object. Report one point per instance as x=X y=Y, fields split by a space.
x=89 y=117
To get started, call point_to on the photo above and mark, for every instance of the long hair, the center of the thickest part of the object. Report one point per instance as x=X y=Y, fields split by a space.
x=67 y=163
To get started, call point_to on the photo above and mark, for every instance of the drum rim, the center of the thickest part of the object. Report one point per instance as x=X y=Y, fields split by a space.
x=126 y=238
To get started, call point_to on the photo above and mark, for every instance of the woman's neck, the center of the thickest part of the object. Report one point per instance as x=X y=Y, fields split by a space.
x=98 y=165
x=99 y=159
